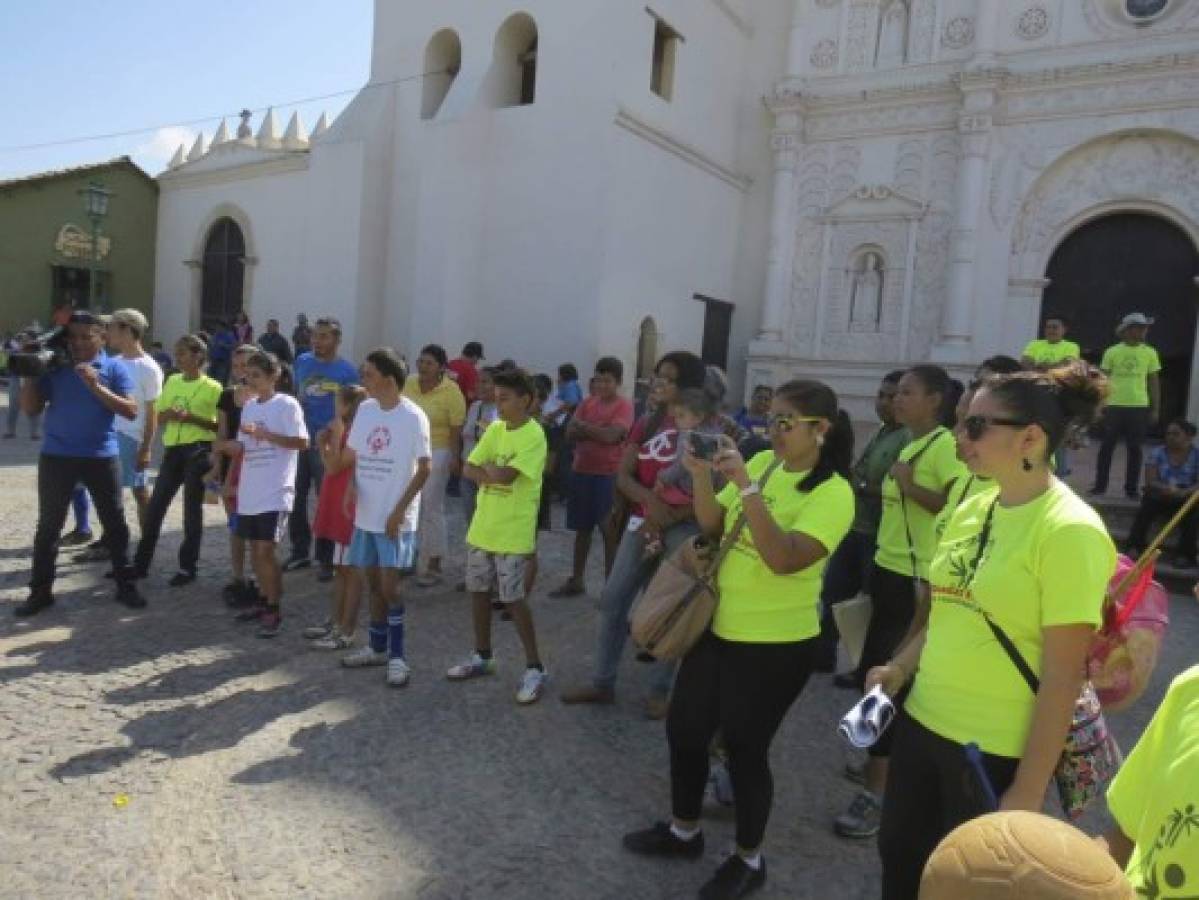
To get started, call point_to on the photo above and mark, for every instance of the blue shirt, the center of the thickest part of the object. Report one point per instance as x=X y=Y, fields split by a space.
x=1185 y=476
x=570 y=393
x=77 y=423
x=317 y=384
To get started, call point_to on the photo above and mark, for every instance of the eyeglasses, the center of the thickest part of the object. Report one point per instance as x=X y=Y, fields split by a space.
x=784 y=422
x=976 y=426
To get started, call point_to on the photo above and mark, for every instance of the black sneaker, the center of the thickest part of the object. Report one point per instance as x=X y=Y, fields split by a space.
x=661 y=841
x=75 y=538
x=733 y=879
x=181 y=578
x=245 y=597
x=296 y=561
x=34 y=604
x=128 y=595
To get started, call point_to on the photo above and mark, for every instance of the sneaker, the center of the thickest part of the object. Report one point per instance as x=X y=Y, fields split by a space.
x=397 y=672
x=128 y=595
x=36 y=602
x=296 y=561
x=95 y=552
x=589 y=694
x=312 y=632
x=721 y=783
x=475 y=667
x=247 y=597
x=182 y=578
x=334 y=640
x=76 y=538
x=364 y=656
x=861 y=820
x=734 y=878
x=269 y=624
x=661 y=841
x=532 y=685
x=856 y=771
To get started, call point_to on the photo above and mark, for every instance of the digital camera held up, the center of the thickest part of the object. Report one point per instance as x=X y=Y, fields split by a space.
x=42 y=353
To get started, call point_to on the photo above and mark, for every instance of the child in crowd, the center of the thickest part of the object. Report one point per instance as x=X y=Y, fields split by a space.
x=272 y=434
x=508 y=465
x=391 y=451
x=334 y=521
x=226 y=472
x=479 y=417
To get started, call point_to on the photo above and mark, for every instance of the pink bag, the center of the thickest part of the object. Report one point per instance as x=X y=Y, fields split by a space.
x=1127 y=645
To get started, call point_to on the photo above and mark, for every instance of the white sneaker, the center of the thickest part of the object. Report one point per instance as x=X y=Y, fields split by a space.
x=475 y=667
x=397 y=672
x=364 y=656
x=531 y=686
x=314 y=632
x=334 y=640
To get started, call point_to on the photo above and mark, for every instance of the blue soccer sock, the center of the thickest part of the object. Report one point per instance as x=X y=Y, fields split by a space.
x=378 y=636
x=395 y=631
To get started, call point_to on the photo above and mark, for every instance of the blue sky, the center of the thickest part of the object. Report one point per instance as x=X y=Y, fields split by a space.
x=72 y=69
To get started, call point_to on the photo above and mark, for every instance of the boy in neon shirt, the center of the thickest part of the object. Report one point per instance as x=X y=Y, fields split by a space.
x=1133 y=403
x=1053 y=348
x=507 y=465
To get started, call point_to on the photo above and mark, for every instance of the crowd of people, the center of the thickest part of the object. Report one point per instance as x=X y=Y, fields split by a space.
x=951 y=519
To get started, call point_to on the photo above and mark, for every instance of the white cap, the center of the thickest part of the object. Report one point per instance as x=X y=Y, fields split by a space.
x=1134 y=319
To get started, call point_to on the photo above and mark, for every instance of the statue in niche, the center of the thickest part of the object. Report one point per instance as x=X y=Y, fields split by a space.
x=892 y=36
x=866 y=293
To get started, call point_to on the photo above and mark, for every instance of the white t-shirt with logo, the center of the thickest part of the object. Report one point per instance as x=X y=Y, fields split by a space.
x=147 y=387
x=268 y=471
x=387 y=445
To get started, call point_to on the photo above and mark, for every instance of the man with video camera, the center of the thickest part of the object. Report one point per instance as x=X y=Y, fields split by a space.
x=82 y=398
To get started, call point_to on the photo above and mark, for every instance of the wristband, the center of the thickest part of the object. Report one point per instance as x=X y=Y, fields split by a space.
x=750 y=489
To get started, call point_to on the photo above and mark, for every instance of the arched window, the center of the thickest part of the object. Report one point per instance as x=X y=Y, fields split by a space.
x=513 y=77
x=224 y=273
x=443 y=60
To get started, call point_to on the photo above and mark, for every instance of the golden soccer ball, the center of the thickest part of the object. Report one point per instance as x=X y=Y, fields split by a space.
x=1021 y=856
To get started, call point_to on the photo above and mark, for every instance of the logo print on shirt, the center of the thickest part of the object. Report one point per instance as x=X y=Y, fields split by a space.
x=660 y=448
x=379 y=439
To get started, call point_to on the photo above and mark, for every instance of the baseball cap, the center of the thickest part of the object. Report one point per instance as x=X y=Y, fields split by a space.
x=1134 y=319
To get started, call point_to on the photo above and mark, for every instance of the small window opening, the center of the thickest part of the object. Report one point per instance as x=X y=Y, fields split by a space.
x=666 y=46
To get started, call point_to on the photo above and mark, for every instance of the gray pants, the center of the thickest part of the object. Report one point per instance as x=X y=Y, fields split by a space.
x=631 y=572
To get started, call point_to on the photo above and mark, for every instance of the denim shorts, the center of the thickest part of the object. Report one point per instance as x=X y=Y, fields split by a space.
x=374 y=549
x=130 y=476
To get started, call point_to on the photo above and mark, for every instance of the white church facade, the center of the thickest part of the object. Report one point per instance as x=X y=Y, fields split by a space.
x=827 y=188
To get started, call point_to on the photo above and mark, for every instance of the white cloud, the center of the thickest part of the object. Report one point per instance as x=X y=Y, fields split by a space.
x=155 y=153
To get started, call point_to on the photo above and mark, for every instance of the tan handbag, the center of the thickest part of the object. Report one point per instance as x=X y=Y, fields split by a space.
x=677 y=606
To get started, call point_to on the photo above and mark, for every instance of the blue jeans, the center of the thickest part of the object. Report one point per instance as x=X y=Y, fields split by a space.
x=631 y=572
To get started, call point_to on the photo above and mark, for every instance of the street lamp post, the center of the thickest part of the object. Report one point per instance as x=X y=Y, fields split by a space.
x=95 y=204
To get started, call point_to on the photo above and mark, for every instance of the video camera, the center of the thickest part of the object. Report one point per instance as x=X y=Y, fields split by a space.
x=42 y=353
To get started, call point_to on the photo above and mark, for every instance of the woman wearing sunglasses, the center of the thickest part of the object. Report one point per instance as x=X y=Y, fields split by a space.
x=746 y=671
x=1030 y=559
x=914 y=492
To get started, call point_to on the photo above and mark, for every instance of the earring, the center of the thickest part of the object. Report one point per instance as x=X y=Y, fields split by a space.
x=1026 y=465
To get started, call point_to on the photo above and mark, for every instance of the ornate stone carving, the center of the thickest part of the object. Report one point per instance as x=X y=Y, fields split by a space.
x=868 y=277
x=862 y=34
x=922 y=30
x=889 y=117
x=1033 y=23
x=824 y=54
x=909 y=167
x=892 y=36
x=959 y=33
x=1106 y=97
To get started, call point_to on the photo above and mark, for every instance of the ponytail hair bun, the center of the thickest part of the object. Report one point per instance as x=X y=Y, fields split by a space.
x=1058 y=399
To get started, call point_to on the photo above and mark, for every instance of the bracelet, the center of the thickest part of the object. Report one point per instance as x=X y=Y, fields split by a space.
x=750 y=489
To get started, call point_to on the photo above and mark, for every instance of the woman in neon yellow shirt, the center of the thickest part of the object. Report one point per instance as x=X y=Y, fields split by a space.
x=1031 y=561
x=747 y=670
x=913 y=494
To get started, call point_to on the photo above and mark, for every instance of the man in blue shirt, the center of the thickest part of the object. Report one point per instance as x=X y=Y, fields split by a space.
x=81 y=403
x=320 y=374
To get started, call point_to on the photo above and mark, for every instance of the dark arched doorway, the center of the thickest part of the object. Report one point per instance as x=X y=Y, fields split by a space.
x=1130 y=262
x=224 y=274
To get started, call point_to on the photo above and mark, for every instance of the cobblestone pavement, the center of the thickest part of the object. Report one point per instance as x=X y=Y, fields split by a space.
x=169 y=753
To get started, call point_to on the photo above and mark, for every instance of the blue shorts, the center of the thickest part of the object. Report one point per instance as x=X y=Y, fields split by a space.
x=374 y=549
x=130 y=476
x=589 y=500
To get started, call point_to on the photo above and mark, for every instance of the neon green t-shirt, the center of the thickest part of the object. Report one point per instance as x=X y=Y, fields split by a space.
x=198 y=397
x=505 y=519
x=966 y=487
x=937 y=466
x=1128 y=370
x=1047 y=563
x=1155 y=796
x=1043 y=353
x=757 y=606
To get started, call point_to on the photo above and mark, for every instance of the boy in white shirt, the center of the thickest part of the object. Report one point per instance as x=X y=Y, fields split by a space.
x=136 y=436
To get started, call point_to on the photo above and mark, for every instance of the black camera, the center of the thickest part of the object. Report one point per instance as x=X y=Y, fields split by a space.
x=705 y=446
x=45 y=352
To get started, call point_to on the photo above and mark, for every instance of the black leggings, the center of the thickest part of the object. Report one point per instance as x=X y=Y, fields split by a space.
x=930 y=792
x=894 y=604
x=744 y=690
x=183 y=465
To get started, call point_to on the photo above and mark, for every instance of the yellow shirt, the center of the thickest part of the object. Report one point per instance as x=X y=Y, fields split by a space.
x=199 y=398
x=1155 y=796
x=505 y=519
x=1043 y=353
x=444 y=405
x=936 y=467
x=1128 y=369
x=757 y=606
x=1047 y=562
x=966 y=487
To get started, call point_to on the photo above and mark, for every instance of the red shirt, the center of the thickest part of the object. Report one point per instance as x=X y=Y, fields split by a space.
x=654 y=454
x=467 y=376
x=593 y=457
x=330 y=521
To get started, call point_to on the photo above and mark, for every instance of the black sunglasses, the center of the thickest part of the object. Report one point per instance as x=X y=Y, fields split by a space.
x=976 y=426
